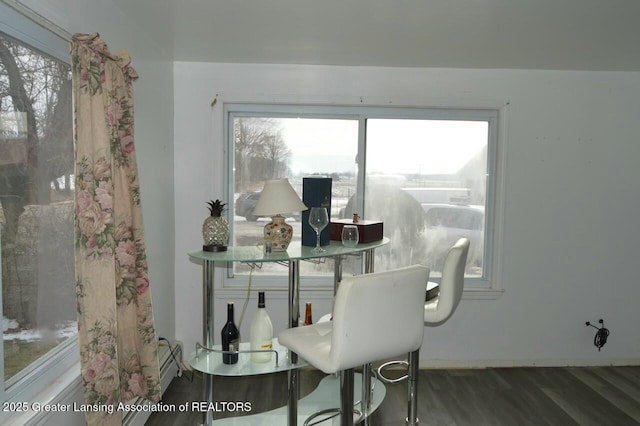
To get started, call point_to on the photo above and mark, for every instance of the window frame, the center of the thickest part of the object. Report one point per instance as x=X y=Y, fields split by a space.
x=48 y=369
x=485 y=286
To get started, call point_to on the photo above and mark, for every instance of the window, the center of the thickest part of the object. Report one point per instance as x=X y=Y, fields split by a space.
x=270 y=147
x=36 y=204
x=427 y=174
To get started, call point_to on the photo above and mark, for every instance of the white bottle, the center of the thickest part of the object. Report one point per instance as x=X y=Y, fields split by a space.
x=261 y=333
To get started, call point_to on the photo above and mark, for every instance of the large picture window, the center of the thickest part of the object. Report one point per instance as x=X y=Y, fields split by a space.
x=36 y=207
x=427 y=174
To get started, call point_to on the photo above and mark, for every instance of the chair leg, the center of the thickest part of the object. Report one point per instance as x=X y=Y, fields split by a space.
x=365 y=402
x=346 y=397
x=412 y=411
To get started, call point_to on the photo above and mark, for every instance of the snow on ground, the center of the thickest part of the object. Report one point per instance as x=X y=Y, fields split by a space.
x=11 y=331
x=8 y=324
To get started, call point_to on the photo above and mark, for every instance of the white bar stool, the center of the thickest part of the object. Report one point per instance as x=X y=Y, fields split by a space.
x=376 y=316
x=438 y=309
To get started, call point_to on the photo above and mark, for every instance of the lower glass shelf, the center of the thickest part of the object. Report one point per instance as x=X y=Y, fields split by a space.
x=210 y=362
x=326 y=395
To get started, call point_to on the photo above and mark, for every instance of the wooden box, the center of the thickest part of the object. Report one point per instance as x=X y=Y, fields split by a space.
x=368 y=230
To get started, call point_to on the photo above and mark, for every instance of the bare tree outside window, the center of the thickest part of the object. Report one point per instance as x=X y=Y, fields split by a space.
x=36 y=200
x=260 y=152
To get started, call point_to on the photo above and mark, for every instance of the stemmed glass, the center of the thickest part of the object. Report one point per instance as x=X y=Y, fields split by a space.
x=318 y=219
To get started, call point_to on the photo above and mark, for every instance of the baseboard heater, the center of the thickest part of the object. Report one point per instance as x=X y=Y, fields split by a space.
x=168 y=370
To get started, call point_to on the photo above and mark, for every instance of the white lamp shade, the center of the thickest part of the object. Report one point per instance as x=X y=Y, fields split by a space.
x=278 y=196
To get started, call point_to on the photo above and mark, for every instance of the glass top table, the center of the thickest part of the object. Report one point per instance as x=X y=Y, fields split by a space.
x=255 y=254
x=294 y=252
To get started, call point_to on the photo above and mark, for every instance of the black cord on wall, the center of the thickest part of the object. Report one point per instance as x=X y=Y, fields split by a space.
x=601 y=335
x=175 y=359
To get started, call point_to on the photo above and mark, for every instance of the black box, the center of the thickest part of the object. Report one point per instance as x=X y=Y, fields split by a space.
x=316 y=192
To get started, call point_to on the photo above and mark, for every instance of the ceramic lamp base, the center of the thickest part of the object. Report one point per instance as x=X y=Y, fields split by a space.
x=278 y=233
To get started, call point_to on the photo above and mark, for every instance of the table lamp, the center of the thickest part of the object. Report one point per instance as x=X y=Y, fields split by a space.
x=278 y=197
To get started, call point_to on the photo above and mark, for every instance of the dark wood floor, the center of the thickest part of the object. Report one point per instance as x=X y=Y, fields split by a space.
x=503 y=396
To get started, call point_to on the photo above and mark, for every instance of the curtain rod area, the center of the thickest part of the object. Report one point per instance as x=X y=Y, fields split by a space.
x=38 y=18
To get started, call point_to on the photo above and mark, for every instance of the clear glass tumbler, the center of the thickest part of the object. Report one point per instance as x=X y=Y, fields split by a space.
x=350 y=236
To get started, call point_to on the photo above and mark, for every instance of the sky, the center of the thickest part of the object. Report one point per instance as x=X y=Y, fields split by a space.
x=321 y=146
x=434 y=147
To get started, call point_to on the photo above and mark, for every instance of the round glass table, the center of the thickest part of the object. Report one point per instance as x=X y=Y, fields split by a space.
x=207 y=357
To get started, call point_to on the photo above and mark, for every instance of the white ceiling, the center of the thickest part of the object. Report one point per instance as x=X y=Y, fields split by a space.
x=537 y=34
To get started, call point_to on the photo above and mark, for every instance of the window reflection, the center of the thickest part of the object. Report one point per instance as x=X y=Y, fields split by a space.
x=36 y=205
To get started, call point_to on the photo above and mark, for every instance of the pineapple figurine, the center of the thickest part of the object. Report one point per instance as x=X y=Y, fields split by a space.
x=215 y=229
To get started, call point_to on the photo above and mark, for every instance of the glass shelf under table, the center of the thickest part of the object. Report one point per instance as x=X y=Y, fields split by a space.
x=210 y=362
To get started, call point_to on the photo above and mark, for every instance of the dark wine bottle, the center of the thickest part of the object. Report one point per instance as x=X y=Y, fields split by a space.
x=230 y=337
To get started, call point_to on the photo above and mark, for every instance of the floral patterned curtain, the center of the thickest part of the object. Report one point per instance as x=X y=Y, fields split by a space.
x=118 y=345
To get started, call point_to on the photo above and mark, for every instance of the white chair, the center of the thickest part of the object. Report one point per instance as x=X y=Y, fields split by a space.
x=439 y=309
x=375 y=316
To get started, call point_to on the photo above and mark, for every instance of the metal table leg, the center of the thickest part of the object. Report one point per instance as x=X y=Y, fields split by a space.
x=369 y=266
x=369 y=261
x=208 y=334
x=294 y=315
x=412 y=403
x=337 y=275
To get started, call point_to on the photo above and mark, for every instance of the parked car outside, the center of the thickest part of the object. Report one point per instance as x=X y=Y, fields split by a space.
x=245 y=204
x=446 y=223
x=427 y=230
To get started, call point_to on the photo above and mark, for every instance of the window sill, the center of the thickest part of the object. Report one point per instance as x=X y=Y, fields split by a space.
x=482 y=293
x=327 y=293
x=61 y=391
x=66 y=391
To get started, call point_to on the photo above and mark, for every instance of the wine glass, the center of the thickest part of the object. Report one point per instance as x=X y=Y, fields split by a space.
x=350 y=235
x=318 y=219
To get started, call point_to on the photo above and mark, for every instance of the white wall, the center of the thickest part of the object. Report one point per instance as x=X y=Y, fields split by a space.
x=569 y=227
